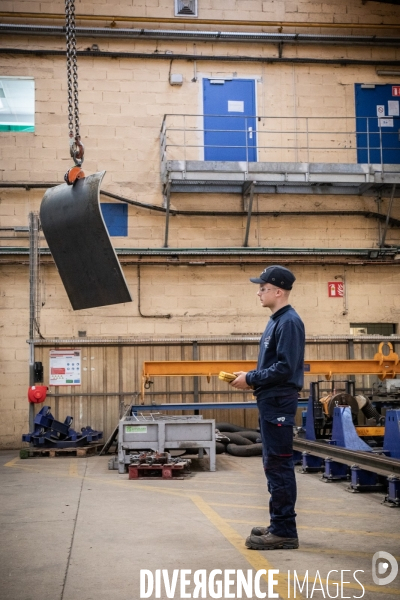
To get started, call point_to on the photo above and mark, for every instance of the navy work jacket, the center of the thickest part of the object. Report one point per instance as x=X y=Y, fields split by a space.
x=279 y=375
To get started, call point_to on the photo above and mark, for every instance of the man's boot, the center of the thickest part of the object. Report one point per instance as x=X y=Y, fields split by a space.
x=271 y=542
x=259 y=530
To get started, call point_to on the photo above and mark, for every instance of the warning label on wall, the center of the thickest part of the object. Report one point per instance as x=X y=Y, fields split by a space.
x=335 y=289
x=395 y=90
x=65 y=367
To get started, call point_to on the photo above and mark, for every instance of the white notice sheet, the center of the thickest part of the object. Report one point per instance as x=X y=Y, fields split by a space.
x=65 y=367
x=235 y=106
x=393 y=108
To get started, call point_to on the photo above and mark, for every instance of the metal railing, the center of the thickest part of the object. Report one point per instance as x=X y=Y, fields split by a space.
x=370 y=140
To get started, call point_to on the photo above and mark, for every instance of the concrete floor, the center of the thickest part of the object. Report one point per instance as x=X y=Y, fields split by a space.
x=73 y=530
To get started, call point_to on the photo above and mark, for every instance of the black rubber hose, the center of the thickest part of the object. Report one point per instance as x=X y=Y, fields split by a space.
x=370 y=412
x=253 y=450
x=219 y=448
x=225 y=440
x=253 y=436
x=236 y=438
x=232 y=428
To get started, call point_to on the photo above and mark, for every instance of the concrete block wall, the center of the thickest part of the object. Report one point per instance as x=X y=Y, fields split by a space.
x=123 y=136
x=304 y=11
x=122 y=104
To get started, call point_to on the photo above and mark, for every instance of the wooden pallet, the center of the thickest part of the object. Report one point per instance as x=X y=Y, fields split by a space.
x=156 y=471
x=81 y=452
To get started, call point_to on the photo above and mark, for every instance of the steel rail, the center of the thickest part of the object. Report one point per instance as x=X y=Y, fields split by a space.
x=382 y=465
x=207 y=36
x=362 y=253
x=203 y=57
x=257 y=261
x=188 y=340
x=221 y=22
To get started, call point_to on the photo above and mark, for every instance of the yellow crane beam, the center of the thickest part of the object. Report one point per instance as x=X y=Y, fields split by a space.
x=384 y=366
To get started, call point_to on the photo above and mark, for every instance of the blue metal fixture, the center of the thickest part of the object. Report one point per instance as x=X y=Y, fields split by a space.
x=334 y=471
x=50 y=433
x=345 y=436
x=314 y=418
x=393 y=496
x=391 y=441
x=364 y=481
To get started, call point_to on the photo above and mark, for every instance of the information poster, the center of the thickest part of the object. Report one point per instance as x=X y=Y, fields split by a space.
x=65 y=367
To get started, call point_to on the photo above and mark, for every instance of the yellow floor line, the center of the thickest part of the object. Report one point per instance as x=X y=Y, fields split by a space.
x=73 y=468
x=367 y=555
x=262 y=484
x=233 y=493
x=116 y=482
x=12 y=462
x=253 y=557
x=299 y=510
x=319 y=499
x=356 y=532
x=184 y=492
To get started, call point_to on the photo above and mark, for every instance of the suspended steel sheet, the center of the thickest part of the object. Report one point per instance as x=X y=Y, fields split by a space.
x=75 y=231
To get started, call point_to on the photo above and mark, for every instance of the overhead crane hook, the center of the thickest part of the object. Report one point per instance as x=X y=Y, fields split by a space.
x=71 y=216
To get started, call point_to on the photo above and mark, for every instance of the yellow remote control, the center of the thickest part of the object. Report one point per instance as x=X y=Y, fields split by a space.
x=226 y=376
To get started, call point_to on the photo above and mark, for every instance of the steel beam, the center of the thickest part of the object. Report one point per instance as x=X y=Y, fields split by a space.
x=380 y=464
x=209 y=368
x=384 y=366
x=137 y=408
x=381 y=365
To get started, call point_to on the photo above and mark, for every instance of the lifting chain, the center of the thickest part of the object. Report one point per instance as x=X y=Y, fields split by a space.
x=76 y=146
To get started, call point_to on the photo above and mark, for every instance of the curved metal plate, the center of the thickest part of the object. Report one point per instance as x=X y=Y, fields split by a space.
x=78 y=239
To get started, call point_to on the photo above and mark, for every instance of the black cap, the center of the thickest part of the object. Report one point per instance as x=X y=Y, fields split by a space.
x=276 y=275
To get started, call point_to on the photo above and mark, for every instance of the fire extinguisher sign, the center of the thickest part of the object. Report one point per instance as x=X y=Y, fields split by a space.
x=335 y=289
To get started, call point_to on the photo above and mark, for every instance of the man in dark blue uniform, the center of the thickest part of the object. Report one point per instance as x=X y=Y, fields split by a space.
x=277 y=381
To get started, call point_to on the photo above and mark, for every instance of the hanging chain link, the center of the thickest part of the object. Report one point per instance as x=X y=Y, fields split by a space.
x=76 y=146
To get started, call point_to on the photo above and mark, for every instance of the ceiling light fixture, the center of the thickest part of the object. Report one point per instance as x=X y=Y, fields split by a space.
x=388 y=72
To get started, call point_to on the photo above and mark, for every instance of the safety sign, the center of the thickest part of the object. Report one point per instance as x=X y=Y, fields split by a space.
x=335 y=289
x=65 y=367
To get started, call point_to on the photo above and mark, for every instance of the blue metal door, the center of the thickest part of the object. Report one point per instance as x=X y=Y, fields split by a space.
x=229 y=120
x=378 y=137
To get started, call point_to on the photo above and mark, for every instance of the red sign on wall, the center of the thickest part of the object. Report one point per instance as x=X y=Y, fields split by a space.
x=335 y=289
x=395 y=90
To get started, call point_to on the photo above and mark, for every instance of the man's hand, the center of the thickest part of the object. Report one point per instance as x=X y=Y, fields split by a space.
x=240 y=382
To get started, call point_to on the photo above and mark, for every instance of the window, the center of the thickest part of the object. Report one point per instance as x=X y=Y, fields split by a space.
x=372 y=328
x=17 y=104
x=116 y=218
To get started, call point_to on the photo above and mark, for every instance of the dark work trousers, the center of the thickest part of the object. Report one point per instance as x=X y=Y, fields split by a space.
x=277 y=443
